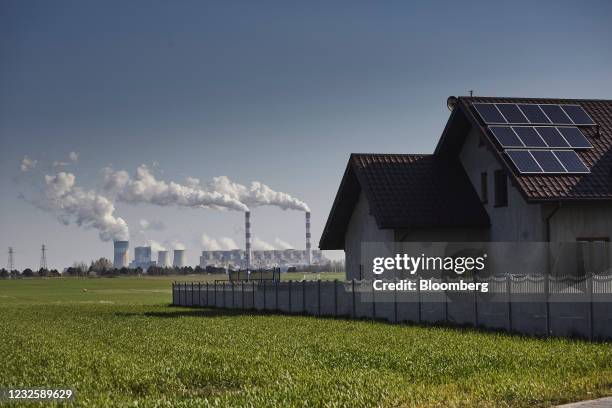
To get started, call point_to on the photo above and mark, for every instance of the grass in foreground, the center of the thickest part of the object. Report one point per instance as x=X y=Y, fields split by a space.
x=137 y=350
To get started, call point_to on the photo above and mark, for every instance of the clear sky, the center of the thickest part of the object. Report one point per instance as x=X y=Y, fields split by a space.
x=275 y=91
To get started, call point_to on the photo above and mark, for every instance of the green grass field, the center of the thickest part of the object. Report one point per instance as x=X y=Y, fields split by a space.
x=117 y=342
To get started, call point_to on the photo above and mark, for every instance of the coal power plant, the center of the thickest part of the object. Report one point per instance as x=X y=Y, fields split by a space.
x=246 y=258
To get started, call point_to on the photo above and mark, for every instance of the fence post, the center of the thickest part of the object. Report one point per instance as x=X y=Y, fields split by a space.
x=395 y=302
x=444 y=280
x=223 y=289
x=276 y=295
x=253 y=297
x=289 y=285
x=353 y=312
x=215 y=290
x=199 y=293
x=475 y=301
x=419 y=300
x=373 y=304
x=509 y=290
x=233 y=295
x=304 y=296
x=192 y=302
x=264 y=293
x=546 y=305
x=335 y=297
x=179 y=294
x=242 y=295
x=590 y=294
x=319 y=297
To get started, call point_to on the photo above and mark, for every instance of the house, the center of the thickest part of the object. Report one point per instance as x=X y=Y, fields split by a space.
x=504 y=169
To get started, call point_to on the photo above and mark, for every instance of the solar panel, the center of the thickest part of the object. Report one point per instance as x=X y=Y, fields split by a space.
x=552 y=137
x=505 y=136
x=489 y=113
x=534 y=114
x=556 y=114
x=571 y=161
x=524 y=161
x=512 y=113
x=578 y=115
x=574 y=137
x=547 y=161
x=529 y=136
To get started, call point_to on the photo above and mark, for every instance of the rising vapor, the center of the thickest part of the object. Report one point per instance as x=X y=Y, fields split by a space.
x=145 y=188
x=258 y=194
x=221 y=244
x=85 y=208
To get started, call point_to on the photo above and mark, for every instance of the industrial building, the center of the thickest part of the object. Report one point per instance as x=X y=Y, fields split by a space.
x=162 y=259
x=261 y=258
x=121 y=257
x=142 y=258
x=504 y=170
x=179 y=258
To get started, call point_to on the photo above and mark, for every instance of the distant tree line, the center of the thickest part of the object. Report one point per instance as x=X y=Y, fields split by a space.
x=104 y=267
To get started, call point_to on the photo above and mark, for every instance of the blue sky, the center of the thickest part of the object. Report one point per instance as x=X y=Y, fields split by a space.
x=279 y=92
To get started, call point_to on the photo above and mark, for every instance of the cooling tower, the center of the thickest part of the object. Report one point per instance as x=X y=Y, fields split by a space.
x=179 y=258
x=162 y=259
x=308 y=251
x=247 y=239
x=121 y=254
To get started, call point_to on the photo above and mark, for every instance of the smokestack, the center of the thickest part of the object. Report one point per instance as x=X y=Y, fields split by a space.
x=121 y=254
x=179 y=258
x=247 y=239
x=308 y=251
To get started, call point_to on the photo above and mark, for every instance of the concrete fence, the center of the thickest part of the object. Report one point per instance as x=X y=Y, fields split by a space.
x=539 y=306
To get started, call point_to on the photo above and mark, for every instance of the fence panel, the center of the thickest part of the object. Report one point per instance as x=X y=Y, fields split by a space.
x=533 y=305
x=328 y=298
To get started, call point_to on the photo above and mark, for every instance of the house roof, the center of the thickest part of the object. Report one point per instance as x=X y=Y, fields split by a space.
x=596 y=185
x=403 y=191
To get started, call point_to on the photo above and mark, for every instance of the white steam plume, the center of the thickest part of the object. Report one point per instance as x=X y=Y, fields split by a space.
x=280 y=244
x=27 y=164
x=153 y=225
x=85 y=208
x=212 y=244
x=156 y=246
x=261 y=245
x=258 y=194
x=145 y=188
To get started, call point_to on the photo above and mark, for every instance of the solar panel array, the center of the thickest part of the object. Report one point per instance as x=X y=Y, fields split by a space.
x=547 y=161
x=539 y=138
x=533 y=114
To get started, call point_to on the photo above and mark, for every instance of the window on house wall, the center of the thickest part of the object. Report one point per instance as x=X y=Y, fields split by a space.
x=484 y=188
x=501 y=189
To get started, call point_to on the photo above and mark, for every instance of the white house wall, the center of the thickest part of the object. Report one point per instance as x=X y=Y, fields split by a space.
x=572 y=222
x=362 y=228
x=518 y=221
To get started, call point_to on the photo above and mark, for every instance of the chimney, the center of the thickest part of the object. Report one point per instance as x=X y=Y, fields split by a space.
x=308 y=252
x=247 y=240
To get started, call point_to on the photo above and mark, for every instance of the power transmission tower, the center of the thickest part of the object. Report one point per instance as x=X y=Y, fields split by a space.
x=43 y=257
x=11 y=263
